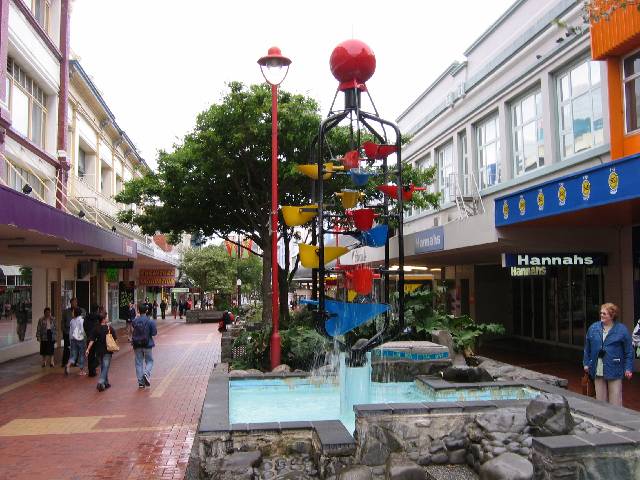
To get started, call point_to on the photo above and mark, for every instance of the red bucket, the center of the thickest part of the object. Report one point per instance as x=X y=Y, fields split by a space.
x=363 y=280
x=363 y=218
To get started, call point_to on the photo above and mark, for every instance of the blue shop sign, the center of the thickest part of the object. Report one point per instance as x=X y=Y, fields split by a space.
x=553 y=259
x=611 y=182
x=430 y=240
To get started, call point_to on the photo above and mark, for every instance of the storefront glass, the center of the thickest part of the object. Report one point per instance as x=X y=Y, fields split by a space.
x=16 y=319
x=559 y=306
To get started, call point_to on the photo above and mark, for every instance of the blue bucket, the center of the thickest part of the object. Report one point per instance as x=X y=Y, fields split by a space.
x=359 y=177
x=376 y=237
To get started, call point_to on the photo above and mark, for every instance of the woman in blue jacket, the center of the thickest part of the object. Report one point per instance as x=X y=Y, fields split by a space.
x=608 y=355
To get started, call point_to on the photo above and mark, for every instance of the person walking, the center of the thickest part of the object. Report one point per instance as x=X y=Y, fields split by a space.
x=78 y=343
x=99 y=342
x=608 y=355
x=163 y=308
x=46 y=335
x=22 y=318
x=91 y=322
x=154 y=312
x=174 y=307
x=181 y=307
x=144 y=329
x=67 y=315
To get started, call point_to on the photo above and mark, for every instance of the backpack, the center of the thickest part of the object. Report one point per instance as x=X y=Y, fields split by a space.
x=140 y=336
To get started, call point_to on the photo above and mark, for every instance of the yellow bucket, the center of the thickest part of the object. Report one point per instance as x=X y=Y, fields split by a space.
x=311 y=170
x=309 y=254
x=351 y=295
x=349 y=198
x=293 y=215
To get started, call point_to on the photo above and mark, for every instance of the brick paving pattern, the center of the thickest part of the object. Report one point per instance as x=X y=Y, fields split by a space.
x=58 y=427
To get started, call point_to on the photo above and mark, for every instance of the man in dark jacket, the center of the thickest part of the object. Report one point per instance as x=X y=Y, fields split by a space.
x=144 y=329
x=91 y=322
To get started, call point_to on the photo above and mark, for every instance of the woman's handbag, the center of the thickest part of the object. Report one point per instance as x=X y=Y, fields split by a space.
x=588 y=385
x=112 y=346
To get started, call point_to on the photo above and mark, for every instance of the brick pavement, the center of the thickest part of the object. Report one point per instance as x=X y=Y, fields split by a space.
x=58 y=427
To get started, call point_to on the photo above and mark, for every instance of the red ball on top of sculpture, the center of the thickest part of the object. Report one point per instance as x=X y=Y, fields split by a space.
x=352 y=63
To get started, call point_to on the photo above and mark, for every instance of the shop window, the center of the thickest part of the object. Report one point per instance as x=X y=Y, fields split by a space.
x=82 y=163
x=446 y=172
x=517 y=306
x=538 y=307
x=564 y=306
x=527 y=307
x=631 y=81
x=527 y=133
x=580 y=108
x=551 y=304
x=26 y=102
x=488 y=142
x=463 y=146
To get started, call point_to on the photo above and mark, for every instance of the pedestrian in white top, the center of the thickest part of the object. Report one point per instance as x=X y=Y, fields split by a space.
x=78 y=342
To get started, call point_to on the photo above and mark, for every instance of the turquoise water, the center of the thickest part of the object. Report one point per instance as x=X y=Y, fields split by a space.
x=297 y=399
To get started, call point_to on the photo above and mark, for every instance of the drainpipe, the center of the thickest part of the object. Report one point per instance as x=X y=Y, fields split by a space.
x=5 y=117
x=63 y=97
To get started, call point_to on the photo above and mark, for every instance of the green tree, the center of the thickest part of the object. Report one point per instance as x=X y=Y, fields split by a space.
x=210 y=268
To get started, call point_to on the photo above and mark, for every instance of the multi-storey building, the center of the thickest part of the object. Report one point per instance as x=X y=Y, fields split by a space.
x=536 y=224
x=62 y=159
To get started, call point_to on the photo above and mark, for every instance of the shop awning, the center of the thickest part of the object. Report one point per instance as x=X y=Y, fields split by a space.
x=608 y=194
x=31 y=228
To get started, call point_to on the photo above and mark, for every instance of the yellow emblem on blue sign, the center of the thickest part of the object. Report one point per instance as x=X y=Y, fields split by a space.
x=522 y=205
x=613 y=181
x=562 y=195
x=540 y=200
x=586 y=188
x=505 y=210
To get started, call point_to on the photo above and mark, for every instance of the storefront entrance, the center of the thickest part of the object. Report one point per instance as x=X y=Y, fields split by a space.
x=558 y=306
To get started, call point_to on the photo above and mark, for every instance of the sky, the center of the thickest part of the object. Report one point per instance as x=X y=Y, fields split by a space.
x=158 y=63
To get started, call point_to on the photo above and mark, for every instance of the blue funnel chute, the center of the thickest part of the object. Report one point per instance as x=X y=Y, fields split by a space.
x=344 y=317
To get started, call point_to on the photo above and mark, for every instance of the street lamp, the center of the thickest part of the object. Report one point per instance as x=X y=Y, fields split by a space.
x=239 y=284
x=274 y=67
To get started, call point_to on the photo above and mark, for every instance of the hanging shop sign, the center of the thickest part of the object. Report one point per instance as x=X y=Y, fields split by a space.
x=157 y=277
x=112 y=275
x=602 y=185
x=124 y=264
x=431 y=240
x=553 y=259
x=180 y=290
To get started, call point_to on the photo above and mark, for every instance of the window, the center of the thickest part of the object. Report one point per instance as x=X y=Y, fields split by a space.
x=488 y=152
x=446 y=172
x=463 y=146
x=17 y=177
x=26 y=103
x=82 y=163
x=527 y=133
x=40 y=10
x=580 y=114
x=631 y=82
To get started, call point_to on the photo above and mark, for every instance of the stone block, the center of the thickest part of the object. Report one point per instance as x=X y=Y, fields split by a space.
x=507 y=466
x=550 y=414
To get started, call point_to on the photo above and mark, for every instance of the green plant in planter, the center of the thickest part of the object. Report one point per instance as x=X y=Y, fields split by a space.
x=425 y=312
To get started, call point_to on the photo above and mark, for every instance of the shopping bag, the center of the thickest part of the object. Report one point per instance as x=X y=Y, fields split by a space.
x=588 y=386
x=112 y=346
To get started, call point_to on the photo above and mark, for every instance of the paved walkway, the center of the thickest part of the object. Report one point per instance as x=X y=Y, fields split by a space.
x=58 y=427
x=572 y=371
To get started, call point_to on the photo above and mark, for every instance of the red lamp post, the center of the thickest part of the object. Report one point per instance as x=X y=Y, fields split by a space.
x=274 y=67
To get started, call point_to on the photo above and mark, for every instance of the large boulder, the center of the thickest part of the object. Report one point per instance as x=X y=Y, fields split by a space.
x=282 y=368
x=463 y=374
x=358 y=472
x=507 y=466
x=444 y=338
x=401 y=468
x=550 y=415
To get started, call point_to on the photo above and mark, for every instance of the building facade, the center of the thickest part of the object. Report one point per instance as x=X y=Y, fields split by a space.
x=62 y=159
x=536 y=226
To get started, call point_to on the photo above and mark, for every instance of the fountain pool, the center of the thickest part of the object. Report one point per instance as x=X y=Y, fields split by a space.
x=333 y=398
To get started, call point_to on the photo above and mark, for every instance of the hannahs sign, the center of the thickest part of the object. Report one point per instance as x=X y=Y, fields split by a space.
x=430 y=240
x=552 y=259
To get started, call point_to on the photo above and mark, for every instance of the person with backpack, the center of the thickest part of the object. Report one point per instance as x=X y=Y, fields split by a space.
x=144 y=329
